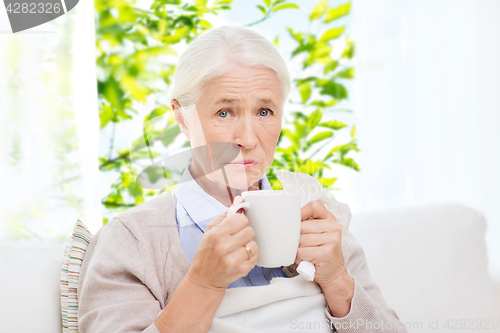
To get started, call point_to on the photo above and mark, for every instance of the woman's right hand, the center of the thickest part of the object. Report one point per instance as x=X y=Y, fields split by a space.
x=221 y=257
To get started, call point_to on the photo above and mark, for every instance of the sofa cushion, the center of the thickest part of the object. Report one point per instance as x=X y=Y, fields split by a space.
x=29 y=286
x=430 y=262
x=74 y=251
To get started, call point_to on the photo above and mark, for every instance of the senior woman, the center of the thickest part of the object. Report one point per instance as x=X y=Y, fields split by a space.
x=166 y=265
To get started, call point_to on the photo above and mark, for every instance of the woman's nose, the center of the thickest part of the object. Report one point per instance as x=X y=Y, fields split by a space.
x=245 y=132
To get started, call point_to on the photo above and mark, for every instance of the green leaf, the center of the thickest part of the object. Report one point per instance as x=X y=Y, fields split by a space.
x=113 y=93
x=115 y=60
x=262 y=9
x=277 y=2
x=300 y=129
x=169 y=135
x=177 y=36
x=292 y=137
x=134 y=88
x=324 y=104
x=134 y=190
x=276 y=184
x=335 y=90
x=225 y=7
x=106 y=114
x=204 y=24
x=338 y=12
x=342 y=150
x=313 y=167
x=143 y=154
x=155 y=173
x=330 y=66
x=276 y=41
x=295 y=35
x=320 y=54
x=327 y=182
x=332 y=33
x=346 y=73
x=267 y=3
x=332 y=124
x=349 y=162
x=321 y=136
x=353 y=131
x=305 y=91
x=318 y=10
x=285 y=6
x=349 y=49
x=314 y=119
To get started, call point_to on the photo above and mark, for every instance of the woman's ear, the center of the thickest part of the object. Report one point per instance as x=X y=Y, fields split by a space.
x=179 y=118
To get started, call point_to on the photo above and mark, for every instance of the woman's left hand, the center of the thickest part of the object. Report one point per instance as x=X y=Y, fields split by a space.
x=320 y=243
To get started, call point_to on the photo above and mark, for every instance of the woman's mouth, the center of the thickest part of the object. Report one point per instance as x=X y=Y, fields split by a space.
x=243 y=164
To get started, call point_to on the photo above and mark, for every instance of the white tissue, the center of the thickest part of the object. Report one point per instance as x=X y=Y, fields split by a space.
x=309 y=188
x=307 y=270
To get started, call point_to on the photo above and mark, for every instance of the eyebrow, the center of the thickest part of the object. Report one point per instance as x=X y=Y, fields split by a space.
x=232 y=100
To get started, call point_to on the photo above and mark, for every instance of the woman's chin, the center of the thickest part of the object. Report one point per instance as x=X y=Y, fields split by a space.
x=250 y=170
x=241 y=180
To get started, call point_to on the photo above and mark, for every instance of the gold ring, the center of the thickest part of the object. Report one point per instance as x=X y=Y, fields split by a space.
x=249 y=251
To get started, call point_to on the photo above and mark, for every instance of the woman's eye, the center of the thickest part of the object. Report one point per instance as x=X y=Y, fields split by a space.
x=223 y=114
x=264 y=112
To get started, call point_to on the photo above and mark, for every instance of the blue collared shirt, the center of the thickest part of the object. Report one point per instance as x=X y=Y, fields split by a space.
x=195 y=209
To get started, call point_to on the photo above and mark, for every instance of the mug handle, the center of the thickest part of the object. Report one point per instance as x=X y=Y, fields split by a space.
x=233 y=209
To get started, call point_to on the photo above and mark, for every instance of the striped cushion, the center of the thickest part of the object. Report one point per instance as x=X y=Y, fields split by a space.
x=74 y=251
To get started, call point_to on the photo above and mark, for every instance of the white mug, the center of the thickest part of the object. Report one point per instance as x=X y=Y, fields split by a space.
x=275 y=216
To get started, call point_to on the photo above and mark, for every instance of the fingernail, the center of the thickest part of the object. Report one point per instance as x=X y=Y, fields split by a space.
x=238 y=199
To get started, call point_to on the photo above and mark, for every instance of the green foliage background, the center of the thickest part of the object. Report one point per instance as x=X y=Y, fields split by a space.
x=133 y=44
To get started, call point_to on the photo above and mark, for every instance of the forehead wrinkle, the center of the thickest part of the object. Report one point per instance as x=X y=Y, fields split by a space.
x=234 y=101
x=239 y=87
x=245 y=80
x=234 y=95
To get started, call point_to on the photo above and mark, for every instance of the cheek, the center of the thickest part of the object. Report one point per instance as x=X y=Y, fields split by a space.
x=196 y=133
x=196 y=136
x=269 y=138
x=271 y=131
x=216 y=130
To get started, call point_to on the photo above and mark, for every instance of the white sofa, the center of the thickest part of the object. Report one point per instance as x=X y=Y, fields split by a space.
x=430 y=262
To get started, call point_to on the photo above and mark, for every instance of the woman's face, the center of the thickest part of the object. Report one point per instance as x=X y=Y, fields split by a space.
x=243 y=108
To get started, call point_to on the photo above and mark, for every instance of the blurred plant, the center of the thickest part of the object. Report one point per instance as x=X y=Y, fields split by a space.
x=320 y=92
x=270 y=8
x=133 y=46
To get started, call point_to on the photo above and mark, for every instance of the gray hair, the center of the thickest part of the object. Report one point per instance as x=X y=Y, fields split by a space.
x=216 y=52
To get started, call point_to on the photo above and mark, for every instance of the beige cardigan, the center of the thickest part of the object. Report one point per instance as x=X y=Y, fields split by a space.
x=134 y=263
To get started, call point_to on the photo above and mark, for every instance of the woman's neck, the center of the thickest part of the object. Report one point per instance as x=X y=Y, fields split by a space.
x=221 y=192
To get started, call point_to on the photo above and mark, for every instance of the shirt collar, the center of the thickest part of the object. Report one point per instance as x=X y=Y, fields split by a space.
x=264 y=184
x=201 y=206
